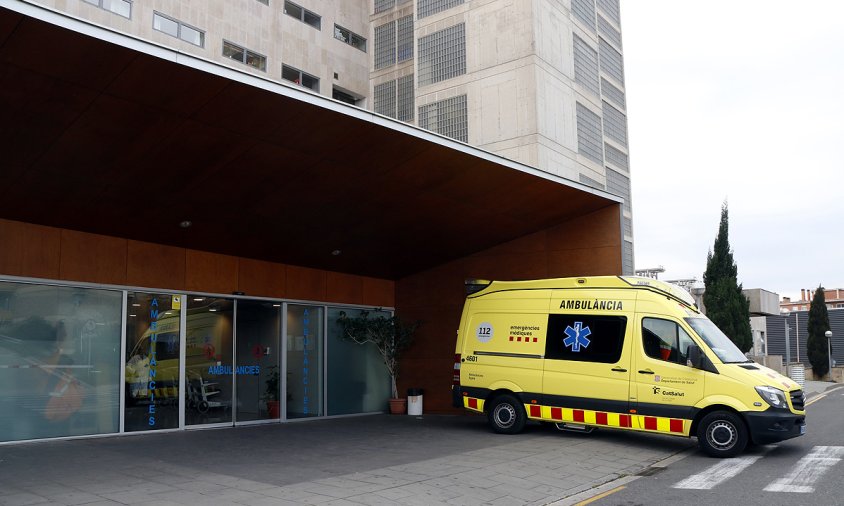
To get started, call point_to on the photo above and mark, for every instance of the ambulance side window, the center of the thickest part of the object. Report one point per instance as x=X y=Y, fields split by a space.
x=665 y=340
x=585 y=338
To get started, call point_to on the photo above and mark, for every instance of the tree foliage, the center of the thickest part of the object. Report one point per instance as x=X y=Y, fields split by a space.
x=388 y=333
x=725 y=305
x=816 y=344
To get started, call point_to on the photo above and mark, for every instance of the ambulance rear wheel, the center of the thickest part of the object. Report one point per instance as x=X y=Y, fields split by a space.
x=506 y=415
x=722 y=434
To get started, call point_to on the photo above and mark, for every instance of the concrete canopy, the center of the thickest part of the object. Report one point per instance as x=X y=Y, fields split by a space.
x=104 y=133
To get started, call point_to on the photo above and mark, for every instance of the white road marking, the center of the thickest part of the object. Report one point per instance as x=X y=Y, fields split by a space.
x=717 y=474
x=808 y=470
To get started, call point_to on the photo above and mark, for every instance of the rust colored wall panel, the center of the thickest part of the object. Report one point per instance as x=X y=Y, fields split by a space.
x=378 y=292
x=346 y=288
x=306 y=284
x=588 y=245
x=210 y=272
x=29 y=250
x=92 y=258
x=262 y=279
x=155 y=265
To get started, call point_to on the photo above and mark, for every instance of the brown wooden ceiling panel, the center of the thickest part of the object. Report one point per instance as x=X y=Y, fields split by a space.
x=139 y=144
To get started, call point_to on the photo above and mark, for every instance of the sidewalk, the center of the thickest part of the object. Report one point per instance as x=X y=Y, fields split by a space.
x=373 y=460
x=811 y=388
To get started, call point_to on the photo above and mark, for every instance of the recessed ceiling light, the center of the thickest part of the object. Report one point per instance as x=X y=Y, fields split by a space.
x=199 y=299
x=186 y=224
x=336 y=252
x=213 y=310
x=276 y=305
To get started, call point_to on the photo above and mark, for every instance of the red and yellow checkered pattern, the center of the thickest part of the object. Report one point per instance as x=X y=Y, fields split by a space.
x=674 y=426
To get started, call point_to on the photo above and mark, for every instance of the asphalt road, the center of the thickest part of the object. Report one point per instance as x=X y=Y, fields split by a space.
x=807 y=470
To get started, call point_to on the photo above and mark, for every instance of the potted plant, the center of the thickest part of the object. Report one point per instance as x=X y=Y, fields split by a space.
x=271 y=393
x=391 y=336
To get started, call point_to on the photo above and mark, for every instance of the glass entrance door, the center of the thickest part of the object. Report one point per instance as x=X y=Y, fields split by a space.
x=152 y=361
x=209 y=364
x=258 y=337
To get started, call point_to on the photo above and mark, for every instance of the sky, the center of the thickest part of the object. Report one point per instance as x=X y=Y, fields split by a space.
x=743 y=102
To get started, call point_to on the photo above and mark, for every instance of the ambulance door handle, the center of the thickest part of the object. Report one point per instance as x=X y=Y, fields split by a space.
x=646 y=371
x=619 y=369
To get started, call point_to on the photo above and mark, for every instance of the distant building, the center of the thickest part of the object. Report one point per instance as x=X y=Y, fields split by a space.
x=834 y=299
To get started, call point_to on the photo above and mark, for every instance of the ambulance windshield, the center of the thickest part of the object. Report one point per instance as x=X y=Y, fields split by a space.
x=717 y=341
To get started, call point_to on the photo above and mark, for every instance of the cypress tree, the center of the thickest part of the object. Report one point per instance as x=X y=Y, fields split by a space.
x=725 y=305
x=816 y=344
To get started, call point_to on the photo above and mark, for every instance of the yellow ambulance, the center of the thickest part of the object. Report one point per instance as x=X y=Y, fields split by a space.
x=627 y=353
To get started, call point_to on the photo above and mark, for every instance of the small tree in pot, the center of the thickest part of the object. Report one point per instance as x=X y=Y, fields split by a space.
x=389 y=334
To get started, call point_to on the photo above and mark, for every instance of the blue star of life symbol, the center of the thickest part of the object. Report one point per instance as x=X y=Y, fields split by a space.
x=577 y=337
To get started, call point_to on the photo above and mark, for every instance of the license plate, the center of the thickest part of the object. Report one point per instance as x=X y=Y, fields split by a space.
x=802 y=429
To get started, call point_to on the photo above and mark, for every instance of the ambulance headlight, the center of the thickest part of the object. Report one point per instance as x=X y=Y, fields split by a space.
x=773 y=396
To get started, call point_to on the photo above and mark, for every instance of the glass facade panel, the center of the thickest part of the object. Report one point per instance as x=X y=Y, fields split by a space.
x=59 y=361
x=258 y=338
x=304 y=361
x=358 y=381
x=209 y=365
x=152 y=361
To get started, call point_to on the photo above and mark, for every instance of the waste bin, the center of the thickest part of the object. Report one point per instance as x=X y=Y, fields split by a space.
x=414 y=401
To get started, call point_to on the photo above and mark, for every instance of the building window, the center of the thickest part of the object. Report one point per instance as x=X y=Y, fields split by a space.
x=245 y=56
x=384 y=5
x=616 y=157
x=608 y=31
x=385 y=45
x=611 y=61
x=615 y=124
x=430 y=7
x=447 y=117
x=394 y=42
x=586 y=65
x=395 y=98
x=619 y=184
x=178 y=29
x=302 y=14
x=589 y=134
x=590 y=182
x=119 y=7
x=296 y=76
x=611 y=92
x=610 y=8
x=265 y=2
x=442 y=55
x=584 y=11
x=627 y=258
x=349 y=37
x=343 y=96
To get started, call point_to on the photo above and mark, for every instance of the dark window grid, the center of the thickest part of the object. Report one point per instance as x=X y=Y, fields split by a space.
x=383 y=5
x=586 y=65
x=589 y=142
x=627 y=258
x=584 y=11
x=302 y=14
x=615 y=124
x=608 y=31
x=611 y=9
x=447 y=117
x=430 y=7
x=384 y=96
x=385 y=45
x=405 y=98
x=442 y=55
x=404 y=36
x=245 y=56
x=619 y=184
x=610 y=61
x=616 y=156
x=611 y=92
x=590 y=182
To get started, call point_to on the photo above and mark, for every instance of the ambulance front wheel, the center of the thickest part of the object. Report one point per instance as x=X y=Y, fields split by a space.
x=506 y=415
x=722 y=434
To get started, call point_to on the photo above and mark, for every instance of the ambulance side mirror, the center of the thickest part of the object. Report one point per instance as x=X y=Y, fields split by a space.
x=695 y=357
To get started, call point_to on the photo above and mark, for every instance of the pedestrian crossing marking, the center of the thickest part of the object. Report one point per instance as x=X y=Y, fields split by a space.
x=717 y=474
x=808 y=470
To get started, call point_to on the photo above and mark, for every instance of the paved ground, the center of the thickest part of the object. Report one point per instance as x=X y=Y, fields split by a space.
x=373 y=460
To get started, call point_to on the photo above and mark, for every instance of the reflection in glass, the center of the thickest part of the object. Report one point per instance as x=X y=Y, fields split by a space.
x=59 y=361
x=208 y=361
x=358 y=381
x=152 y=361
x=304 y=361
x=258 y=335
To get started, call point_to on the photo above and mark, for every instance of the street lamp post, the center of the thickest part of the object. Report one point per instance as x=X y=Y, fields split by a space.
x=828 y=335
